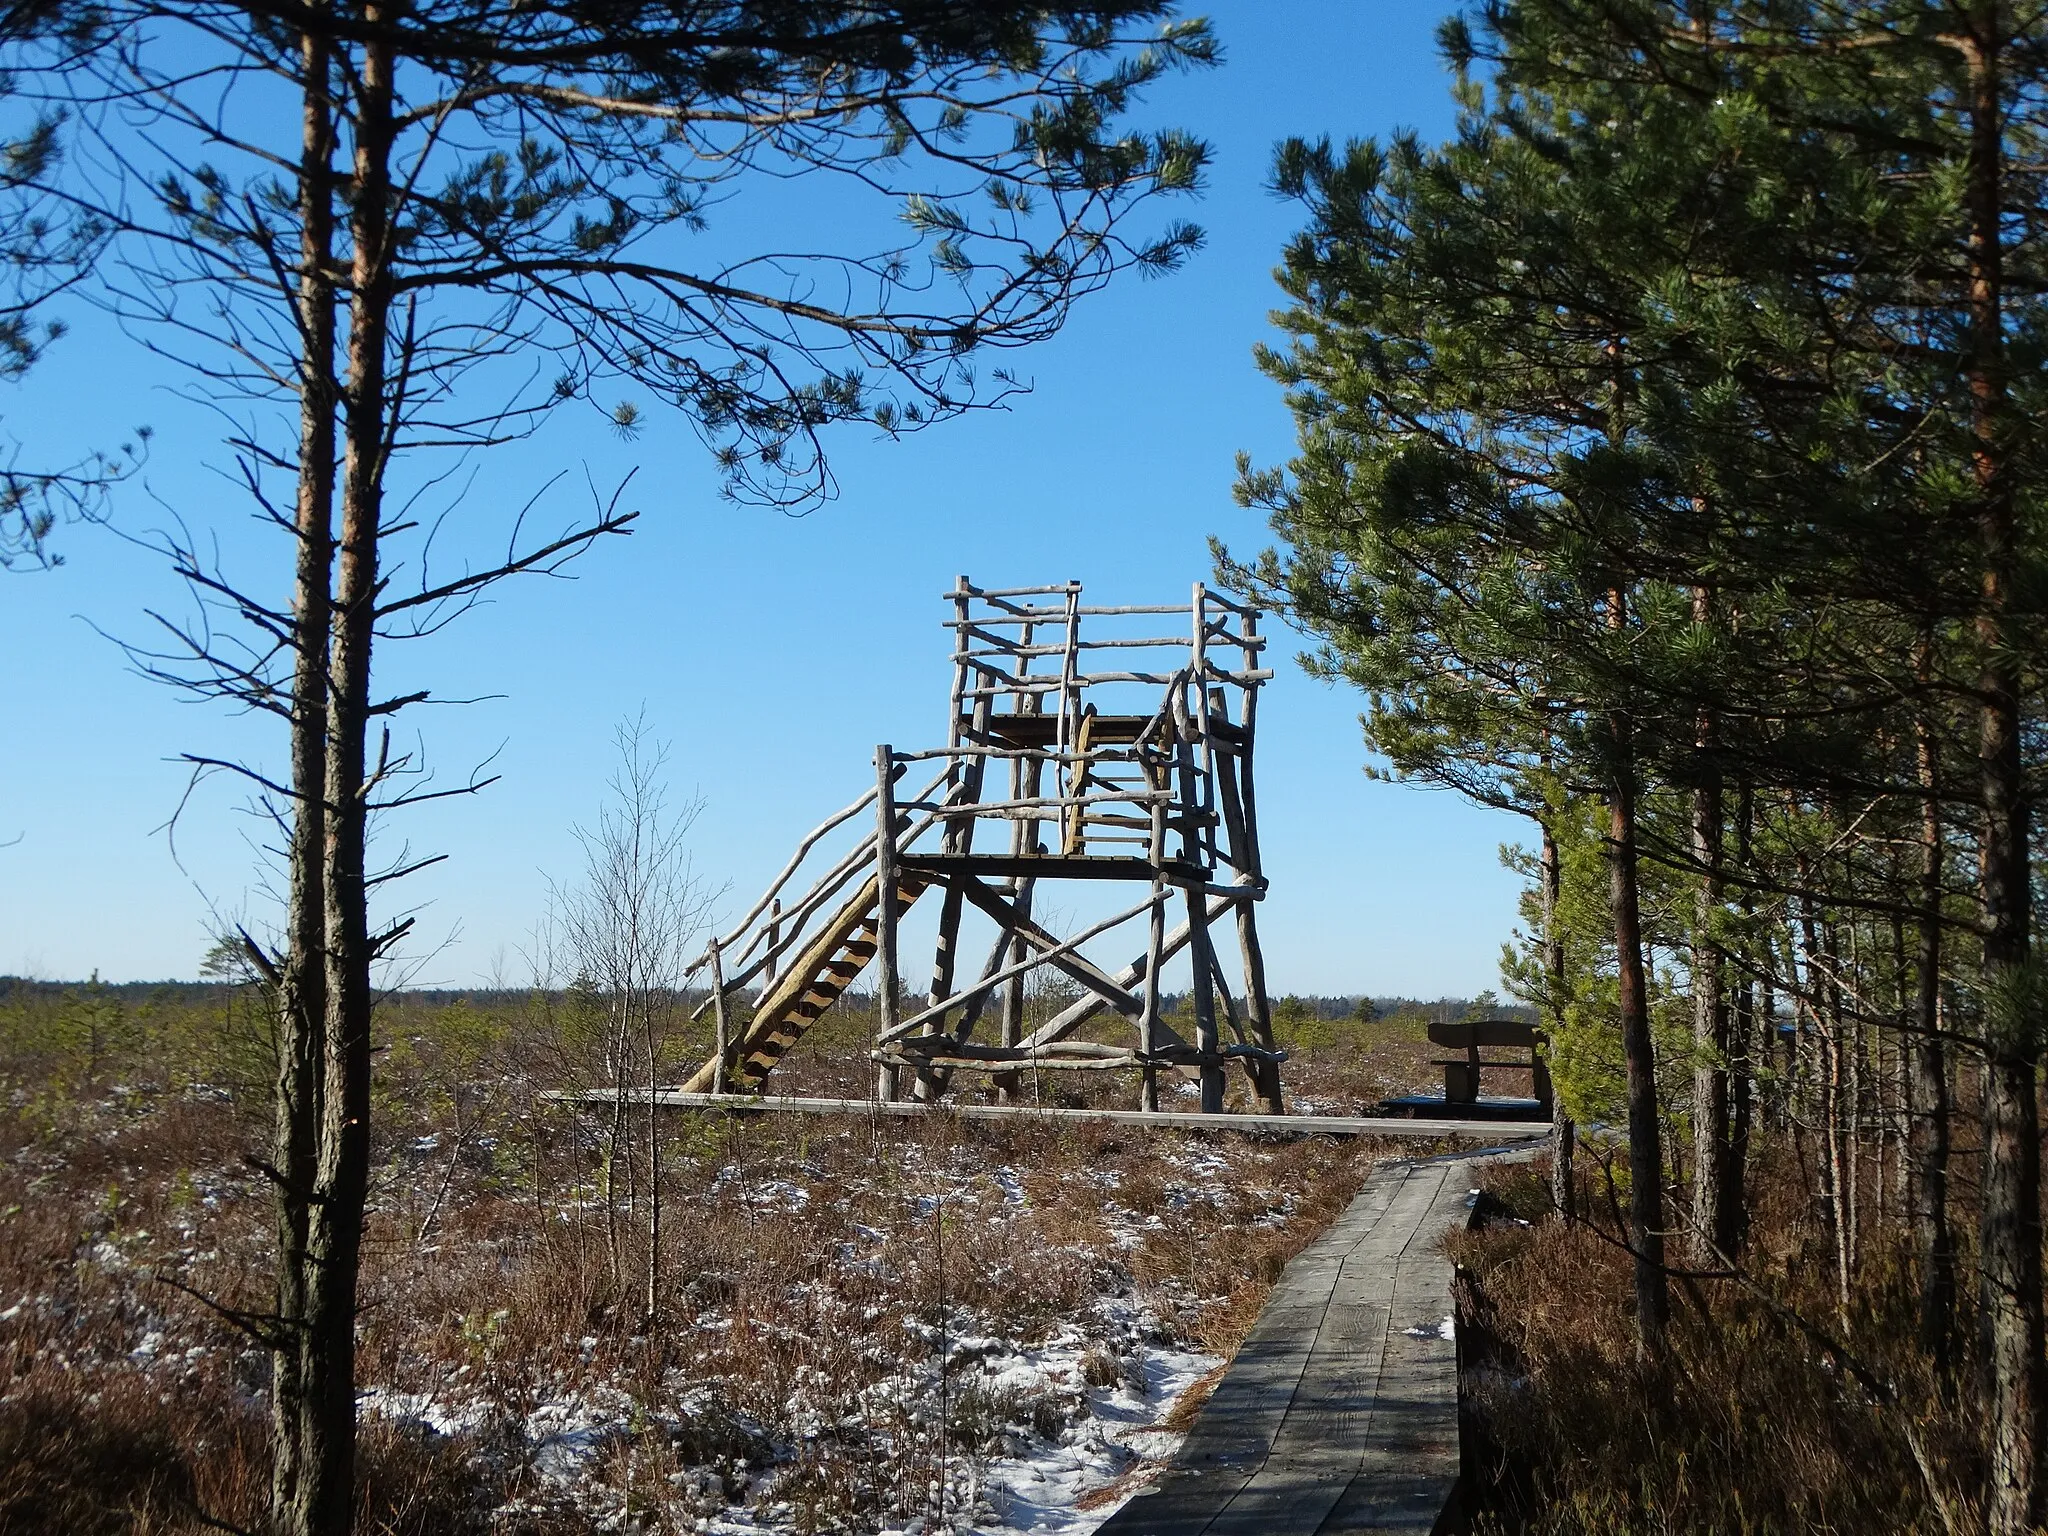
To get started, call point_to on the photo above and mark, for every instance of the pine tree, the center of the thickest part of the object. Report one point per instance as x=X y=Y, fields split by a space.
x=1719 y=323
x=476 y=216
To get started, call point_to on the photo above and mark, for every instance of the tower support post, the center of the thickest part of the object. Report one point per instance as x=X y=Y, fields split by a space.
x=1125 y=765
x=1258 y=1012
x=1201 y=956
x=722 y=1038
x=886 y=1000
x=1155 y=945
x=1026 y=775
x=1200 y=959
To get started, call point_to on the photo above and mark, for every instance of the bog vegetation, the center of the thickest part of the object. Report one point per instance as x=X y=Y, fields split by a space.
x=860 y=1323
x=1670 y=474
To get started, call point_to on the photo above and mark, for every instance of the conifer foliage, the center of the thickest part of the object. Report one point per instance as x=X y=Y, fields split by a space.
x=1670 y=470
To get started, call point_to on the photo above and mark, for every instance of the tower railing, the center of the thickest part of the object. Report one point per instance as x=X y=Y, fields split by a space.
x=1124 y=754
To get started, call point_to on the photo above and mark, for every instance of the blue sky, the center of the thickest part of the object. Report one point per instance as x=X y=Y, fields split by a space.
x=771 y=652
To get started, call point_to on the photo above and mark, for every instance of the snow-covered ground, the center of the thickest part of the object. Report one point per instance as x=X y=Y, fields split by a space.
x=1111 y=1445
x=1093 y=1445
x=1043 y=1435
x=903 y=1328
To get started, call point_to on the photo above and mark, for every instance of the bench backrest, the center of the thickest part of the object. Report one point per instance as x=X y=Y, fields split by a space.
x=1469 y=1033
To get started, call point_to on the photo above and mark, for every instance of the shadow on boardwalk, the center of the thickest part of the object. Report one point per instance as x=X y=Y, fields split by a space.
x=1340 y=1413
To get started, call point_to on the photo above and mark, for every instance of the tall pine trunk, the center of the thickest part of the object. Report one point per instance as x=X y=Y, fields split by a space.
x=302 y=990
x=326 y=1489
x=2010 y=1236
x=1841 y=1048
x=1927 y=1148
x=1714 y=1210
x=1645 y=1144
x=1715 y=1214
x=1745 y=1034
x=1564 y=1135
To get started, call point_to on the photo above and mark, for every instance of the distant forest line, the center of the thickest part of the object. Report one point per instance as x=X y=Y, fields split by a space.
x=1313 y=1005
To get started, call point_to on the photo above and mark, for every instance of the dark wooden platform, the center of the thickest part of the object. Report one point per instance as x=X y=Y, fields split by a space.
x=1340 y=1413
x=1433 y=1106
x=1045 y=866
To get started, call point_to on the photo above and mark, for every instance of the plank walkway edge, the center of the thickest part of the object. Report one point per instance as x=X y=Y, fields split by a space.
x=1295 y=1125
x=1339 y=1414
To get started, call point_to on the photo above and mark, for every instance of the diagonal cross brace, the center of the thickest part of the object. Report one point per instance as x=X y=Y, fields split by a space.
x=1079 y=967
x=1064 y=948
x=1075 y=1014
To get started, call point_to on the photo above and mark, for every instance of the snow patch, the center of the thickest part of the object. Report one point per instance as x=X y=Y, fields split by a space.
x=1117 y=1434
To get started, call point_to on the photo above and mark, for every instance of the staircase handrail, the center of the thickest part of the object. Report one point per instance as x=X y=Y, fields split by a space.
x=792 y=920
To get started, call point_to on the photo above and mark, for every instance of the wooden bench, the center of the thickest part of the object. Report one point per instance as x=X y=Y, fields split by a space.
x=1462 y=1073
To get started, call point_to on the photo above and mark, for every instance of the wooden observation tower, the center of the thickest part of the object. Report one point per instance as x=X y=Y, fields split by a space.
x=1106 y=745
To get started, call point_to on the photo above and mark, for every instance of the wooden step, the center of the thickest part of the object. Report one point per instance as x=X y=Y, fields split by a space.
x=822 y=972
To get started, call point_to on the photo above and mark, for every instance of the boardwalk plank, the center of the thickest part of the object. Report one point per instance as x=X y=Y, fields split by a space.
x=1340 y=1414
x=1408 y=1465
x=1317 y=1453
x=1236 y=1428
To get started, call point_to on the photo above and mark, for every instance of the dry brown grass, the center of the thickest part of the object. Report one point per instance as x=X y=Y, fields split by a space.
x=1121 y=1489
x=1383 y=1059
x=1180 y=1418
x=830 y=1289
x=1749 y=1426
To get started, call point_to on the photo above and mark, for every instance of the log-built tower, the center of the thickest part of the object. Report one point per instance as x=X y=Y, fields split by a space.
x=1098 y=744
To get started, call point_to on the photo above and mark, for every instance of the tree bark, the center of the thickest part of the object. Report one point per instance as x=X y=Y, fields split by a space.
x=1927 y=1148
x=1842 y=1127
x=1743 y=1049
x=1645 y=1146
x=618 y=1149
x=651 y=1028
x=302 y=981
x=1714 y=1211
x=1564 y=1189
x=326 y=1490
x=1714 y=1215
x=2010 y=1235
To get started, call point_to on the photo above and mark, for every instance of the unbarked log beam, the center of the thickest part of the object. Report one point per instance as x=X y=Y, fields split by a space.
x=895 y=1029
x=1053 y=951
x=1075 y=1014
x=1495 y=1131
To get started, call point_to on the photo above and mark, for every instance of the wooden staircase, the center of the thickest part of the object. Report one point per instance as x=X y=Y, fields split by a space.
x=1128 y=759
x=798 y=998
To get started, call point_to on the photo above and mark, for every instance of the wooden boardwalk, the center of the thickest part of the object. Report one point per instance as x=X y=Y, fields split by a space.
x=1284 y=1125
x=1340 y=1413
